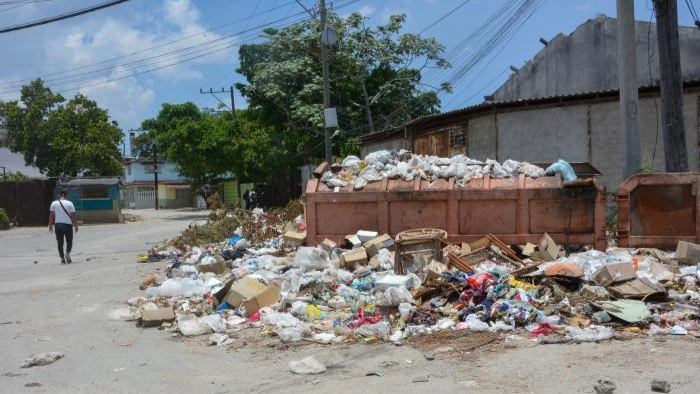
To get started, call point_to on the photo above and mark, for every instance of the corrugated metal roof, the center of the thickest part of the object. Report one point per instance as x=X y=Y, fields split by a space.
x=94 y=182
x=519 y=102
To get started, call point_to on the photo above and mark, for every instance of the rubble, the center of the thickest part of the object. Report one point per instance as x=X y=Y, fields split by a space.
x=349 y=290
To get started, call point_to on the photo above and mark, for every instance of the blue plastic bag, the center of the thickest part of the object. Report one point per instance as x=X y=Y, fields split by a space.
x=563 y=168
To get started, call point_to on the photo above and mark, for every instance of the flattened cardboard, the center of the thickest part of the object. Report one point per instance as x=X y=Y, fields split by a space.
x=268 y=297
x=637 y=288
x=392 y=280
x=156 y=317
x=613 y=273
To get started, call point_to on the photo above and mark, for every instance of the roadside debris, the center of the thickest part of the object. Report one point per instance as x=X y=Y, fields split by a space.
x=307 y=366
x=660 y=386
x=604 y=387
x=42 y=359
x=258 y=272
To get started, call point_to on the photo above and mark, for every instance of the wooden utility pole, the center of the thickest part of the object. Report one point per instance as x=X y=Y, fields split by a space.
x=675 y=150
x=628 y=85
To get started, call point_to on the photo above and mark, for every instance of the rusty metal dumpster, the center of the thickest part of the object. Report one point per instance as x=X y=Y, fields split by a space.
x=517 y=210
x=658 y=210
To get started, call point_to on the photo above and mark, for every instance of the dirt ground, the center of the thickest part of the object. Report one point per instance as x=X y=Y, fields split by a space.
x=69 y=309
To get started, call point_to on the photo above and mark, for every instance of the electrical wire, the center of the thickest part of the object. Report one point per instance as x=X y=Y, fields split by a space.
x=651 y=82
x=155 y=62
x=61 y=17
x=693 y=13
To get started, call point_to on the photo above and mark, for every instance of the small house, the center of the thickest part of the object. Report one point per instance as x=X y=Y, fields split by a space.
x=96 y=200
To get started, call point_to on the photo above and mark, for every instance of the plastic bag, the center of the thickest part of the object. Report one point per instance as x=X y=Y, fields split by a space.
x=591 y=333
x=215 y=321
x=178 y=287
x=190 y=326
x=307 y=366
x=380 y=330
x=382 y=156
x=394 y=296
x=280 y=320
x=563 y=168
x=309 y=258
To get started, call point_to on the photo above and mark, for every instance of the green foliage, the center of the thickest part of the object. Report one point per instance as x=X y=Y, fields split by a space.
x=13 y=177
x=4 y=219
x=59 y=137
x=375 y=81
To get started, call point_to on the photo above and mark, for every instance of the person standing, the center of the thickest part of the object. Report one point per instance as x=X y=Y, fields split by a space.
x=62 y=216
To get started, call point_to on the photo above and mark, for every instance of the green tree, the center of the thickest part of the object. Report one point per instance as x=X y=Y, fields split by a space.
x=59 y=137
x=197 y=142
x=375 y=79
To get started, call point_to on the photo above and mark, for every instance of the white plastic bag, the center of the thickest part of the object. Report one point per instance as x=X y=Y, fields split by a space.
x=310 y=258
x=190 y=326
x=591 y=333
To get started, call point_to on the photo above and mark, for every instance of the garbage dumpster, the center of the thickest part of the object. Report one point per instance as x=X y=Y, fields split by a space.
x=516 y=210
x=658 y=210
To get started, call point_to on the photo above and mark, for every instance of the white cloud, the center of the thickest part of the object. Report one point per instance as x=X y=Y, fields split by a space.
x=367 y=10
x=116 y=58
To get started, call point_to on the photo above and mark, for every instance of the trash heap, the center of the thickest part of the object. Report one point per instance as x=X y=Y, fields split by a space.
x=374 y=287
x=407 y=166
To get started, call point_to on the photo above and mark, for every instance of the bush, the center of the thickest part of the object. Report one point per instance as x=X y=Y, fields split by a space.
x=4 y=219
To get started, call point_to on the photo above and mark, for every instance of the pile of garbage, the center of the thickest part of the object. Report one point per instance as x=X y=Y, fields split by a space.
x=408 y=166
x=374 y=287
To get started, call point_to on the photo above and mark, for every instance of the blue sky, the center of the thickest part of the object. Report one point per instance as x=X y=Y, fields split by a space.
x=132 y=57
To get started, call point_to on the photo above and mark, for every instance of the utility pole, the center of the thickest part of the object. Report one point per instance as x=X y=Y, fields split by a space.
x=325 y=41
x=155 y=171
x=628 y=86
x=675 y=150
x=214 y=92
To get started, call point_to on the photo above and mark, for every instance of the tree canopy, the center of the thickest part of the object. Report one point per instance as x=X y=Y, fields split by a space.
x=59 y=137
x=375 y=79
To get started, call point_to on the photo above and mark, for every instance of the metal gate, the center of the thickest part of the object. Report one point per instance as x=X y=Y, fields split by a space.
x=27 y=202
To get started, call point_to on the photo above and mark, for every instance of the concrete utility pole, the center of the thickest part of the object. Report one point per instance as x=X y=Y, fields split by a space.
x=155 y=172
x=214 y=92
x=675 y=151
x=627 y=82
x=326 y=87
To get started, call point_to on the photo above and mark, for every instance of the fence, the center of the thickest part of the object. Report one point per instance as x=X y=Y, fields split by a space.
x=27 y=202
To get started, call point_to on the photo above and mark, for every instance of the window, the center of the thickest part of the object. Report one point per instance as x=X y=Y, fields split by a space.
x=458 y=137
x=182 y=193
x=149 y=169
x=128 y=169
x=93 y=193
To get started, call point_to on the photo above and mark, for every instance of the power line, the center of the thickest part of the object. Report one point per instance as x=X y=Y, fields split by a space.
x=62 y=17
x=452 y=11
x=693 y=13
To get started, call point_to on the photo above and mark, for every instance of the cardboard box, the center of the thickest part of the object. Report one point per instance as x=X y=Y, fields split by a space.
x=328 y=245
x=528 y=249
x=156 y=317
x=391 y=280
x=548 y=249
x=382 y=241
x=295 y=237
x=613 y=273
x=356 y=256
x=365 y=235
x=253 y=294
x=687 y=253
x=353 y=240
x=216 y=268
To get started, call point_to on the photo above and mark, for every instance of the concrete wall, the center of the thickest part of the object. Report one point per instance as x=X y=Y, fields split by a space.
x=388 y=144
x=544 y=135
x=481 y=137
x=547 y=134
x=586 y=61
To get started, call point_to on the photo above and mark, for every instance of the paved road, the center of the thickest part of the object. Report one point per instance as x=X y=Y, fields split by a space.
x=47 y=307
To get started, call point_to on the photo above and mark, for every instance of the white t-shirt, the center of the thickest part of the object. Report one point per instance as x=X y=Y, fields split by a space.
x=61 y=216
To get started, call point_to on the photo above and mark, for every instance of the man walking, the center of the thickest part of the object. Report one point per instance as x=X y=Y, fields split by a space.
x=62 y=215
